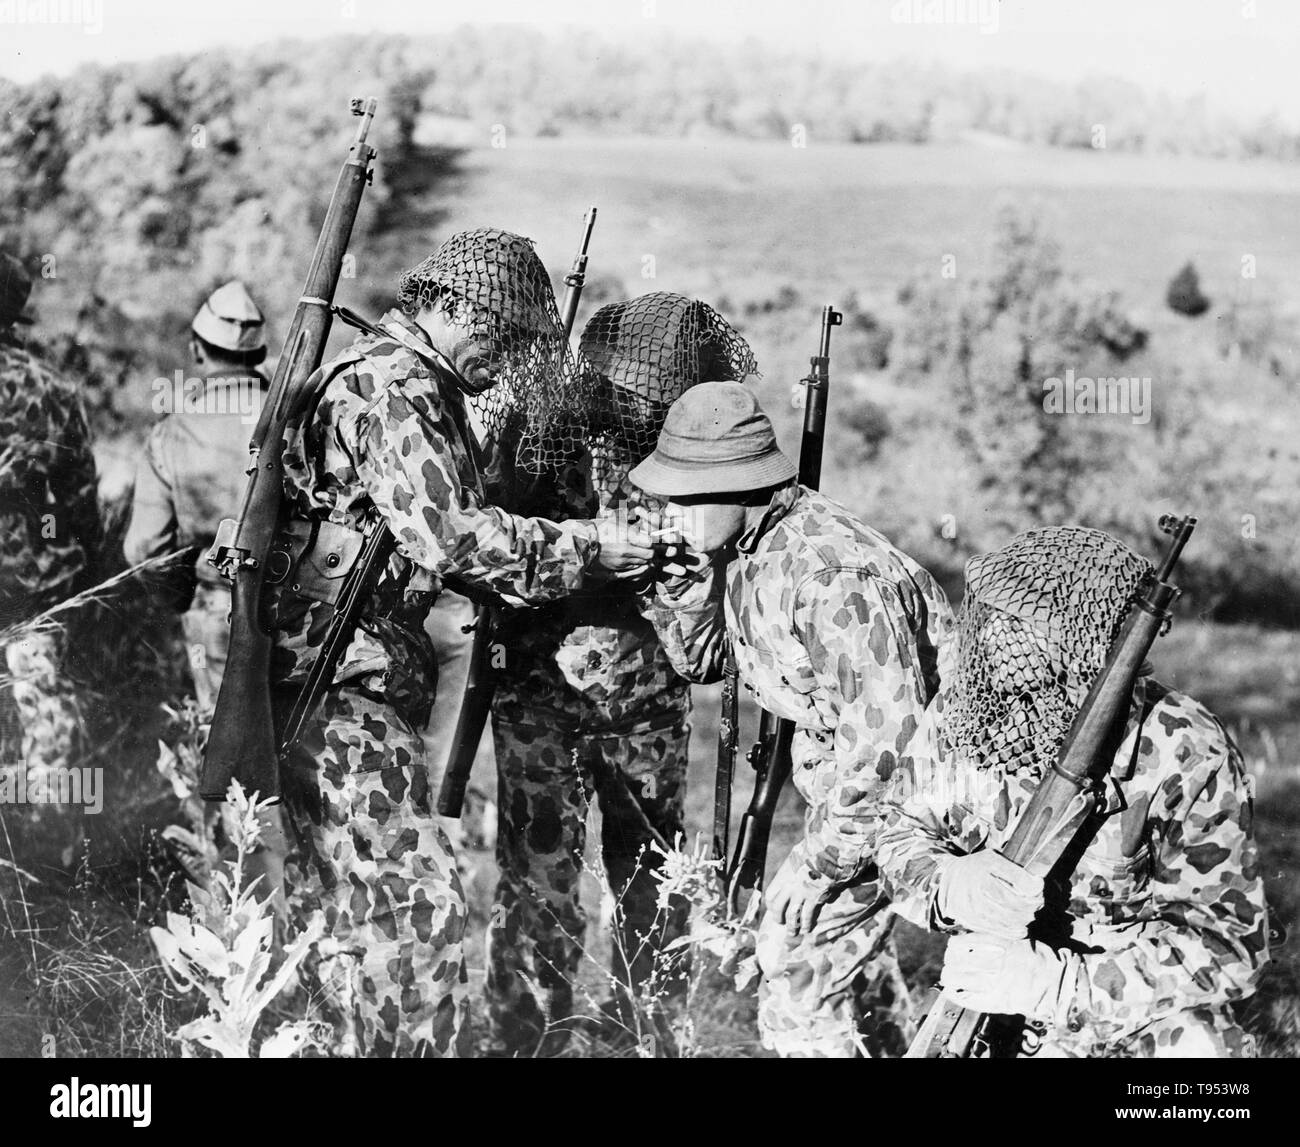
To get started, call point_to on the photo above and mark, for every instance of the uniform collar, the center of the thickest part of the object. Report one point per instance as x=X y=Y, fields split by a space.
x=397 y=318
x=781 y=504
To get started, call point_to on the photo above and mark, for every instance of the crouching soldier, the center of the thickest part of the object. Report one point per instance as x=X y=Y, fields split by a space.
x=1161 y=925
x=837 y=630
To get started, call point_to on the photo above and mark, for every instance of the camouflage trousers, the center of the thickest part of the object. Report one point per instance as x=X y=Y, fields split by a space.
x=837 y=991
x=546 y=780
x=1196 y=1033
x=49 y=739
x=370 y=858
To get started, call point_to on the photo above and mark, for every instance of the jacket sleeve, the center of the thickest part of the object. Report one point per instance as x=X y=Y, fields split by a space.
x=688 y=618
x=154 y=529
x=859 y=642
x=918 y=824
x=1202 y=937
x=402 y=457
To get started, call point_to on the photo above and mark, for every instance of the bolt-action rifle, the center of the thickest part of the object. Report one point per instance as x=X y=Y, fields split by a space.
x=242 y=744
x=770 y=754
x=480 y=679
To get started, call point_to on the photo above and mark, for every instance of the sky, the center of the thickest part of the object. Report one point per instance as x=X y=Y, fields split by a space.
x=1241 y=55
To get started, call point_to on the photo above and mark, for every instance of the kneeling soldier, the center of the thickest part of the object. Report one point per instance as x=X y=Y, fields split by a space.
x=1161 y=925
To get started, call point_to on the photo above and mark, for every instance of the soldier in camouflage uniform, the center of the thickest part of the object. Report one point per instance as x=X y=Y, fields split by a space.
x=49 y=532
x=386 y=438
x=835 y=629
x=1162 y=925
x=587 y=701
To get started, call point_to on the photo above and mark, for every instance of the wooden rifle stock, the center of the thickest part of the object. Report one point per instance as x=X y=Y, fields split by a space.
x=770 y=755
x=242 y=743
x=1067 y=795
x=480 y=680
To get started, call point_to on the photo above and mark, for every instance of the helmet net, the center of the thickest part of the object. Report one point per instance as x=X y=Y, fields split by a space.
x=493 y=282
x=644 y=353
x=1033 y=632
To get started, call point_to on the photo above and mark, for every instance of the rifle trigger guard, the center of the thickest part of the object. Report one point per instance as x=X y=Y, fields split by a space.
x=278 y=564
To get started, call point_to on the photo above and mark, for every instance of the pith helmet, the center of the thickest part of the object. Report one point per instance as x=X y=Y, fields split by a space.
x=230 y=320
x=716 y=439
x=15 y=288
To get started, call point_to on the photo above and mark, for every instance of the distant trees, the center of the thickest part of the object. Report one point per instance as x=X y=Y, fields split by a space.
x=996 y=340
x=141 y=186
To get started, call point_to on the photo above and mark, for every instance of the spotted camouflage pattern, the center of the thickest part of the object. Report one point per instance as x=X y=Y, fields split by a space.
x=838 y=991
x=1167 y=902
x=49 y=532
x=51 y=737
x=385 y=436
x=586 y=700
x=837 y=630
x=370 y=859
x=547 y=777
x=49 y=516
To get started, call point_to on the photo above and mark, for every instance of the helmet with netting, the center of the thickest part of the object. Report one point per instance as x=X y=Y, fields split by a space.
x=493 y=282
x=646 y=352
x=1033 y=632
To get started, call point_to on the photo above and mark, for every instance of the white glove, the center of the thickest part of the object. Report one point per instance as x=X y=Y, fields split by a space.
x=985 y=892
x=1010 y=977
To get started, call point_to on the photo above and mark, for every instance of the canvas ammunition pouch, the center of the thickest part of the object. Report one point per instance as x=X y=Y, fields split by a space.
x=312 y=559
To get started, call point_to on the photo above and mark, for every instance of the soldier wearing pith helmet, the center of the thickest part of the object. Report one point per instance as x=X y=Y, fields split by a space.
x=837 y=630
x=192 y=472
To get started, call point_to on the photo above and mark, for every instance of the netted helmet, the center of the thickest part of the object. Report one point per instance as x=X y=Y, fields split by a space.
x=646 y=352
x=1033 y=631
x=494 y=283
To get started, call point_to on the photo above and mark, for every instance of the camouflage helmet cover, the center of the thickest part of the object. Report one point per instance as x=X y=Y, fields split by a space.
x=650 y=350
x=494 y=282
x=1034 y=629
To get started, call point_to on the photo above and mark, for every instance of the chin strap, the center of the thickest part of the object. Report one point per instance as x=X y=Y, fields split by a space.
x=435 y=358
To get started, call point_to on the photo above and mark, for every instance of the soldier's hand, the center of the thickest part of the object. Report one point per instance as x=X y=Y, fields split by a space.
x=985 y=892
x=796 y=897
x=1009 y=977
x=627 y=549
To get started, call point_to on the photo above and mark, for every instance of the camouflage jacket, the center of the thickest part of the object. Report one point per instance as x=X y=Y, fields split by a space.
x=385 y=437
x=837 y=630
x=193 y=472
x=1167 y=902
x=49 y=514
x=591 y=663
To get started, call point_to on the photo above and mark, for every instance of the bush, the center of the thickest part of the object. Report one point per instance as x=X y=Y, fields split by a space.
x=1184 y=293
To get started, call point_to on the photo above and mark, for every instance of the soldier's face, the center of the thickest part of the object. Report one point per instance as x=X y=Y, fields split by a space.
x=467 y=339
x=707 y=527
